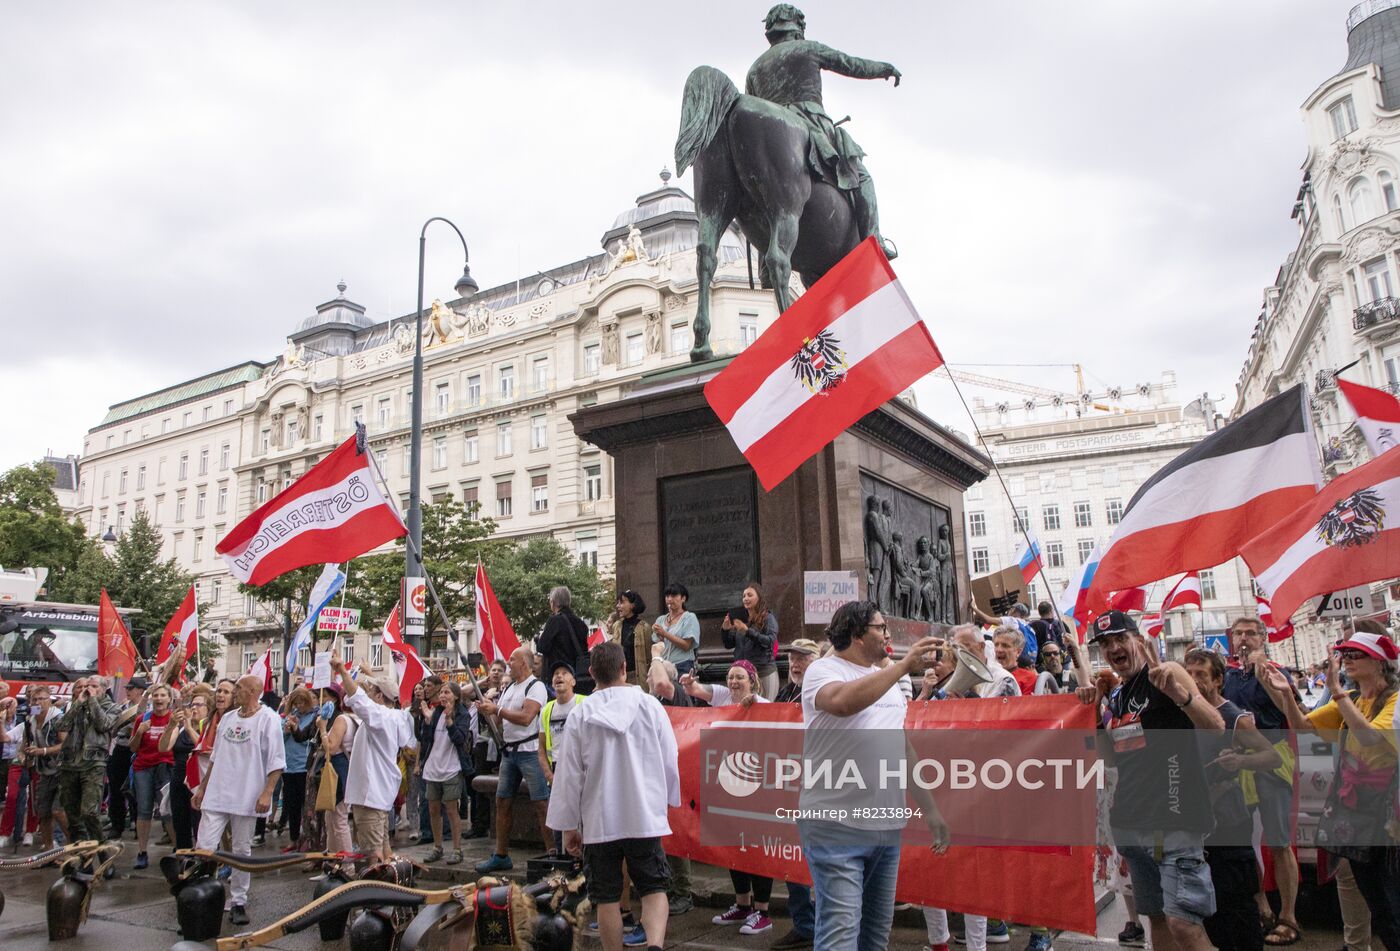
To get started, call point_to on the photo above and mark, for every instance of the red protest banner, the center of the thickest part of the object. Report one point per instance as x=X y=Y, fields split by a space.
x=1050 y=885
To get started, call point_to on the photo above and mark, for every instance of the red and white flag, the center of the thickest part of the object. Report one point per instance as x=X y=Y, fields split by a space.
x=596 y=637
x=1133 y=599
x=1186 y=593
x=1377 y=415
x=1266 y=616
x=408 y=666
x=116 y=653
x=333 y=513
x=844 y=348
x=495 y=637
x=1347 y=535
x=182 y=629
x=262 y=667
x=1198 y=510
x=1151 y=625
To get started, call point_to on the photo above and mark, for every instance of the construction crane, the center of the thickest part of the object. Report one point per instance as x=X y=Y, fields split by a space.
x=1055 y=397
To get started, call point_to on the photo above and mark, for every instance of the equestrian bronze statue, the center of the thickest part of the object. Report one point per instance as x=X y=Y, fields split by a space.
x=773 y=160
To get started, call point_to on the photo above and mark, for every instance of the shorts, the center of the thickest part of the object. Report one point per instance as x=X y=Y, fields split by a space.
x=45 y=795
x=1175 y=882
x=371 y=829
x=646 y=864
x=516 y=766
x=449 y=790
x=148 y=783
x=1275 y=811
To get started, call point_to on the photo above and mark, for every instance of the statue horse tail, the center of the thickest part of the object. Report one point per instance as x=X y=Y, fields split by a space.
x=709 y=95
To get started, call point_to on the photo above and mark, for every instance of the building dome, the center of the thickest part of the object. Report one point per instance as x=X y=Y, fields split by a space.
x=667 y=220
x=339 y=313
x=1373 y=36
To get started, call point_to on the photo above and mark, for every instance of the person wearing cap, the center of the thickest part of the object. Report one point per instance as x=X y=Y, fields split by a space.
x=801 y=653
x=554 y=716
x=1270 y=792
x=677 y=631
x=121 y=798
x=1161 y=812
x=1362 y=781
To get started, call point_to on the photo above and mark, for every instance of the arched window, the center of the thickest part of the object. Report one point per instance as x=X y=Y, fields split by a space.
x=1361 y=199
x=1338 y=213
x=1386 y=181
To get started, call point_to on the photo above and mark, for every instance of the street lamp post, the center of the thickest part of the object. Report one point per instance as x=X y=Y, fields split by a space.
x=413 y=569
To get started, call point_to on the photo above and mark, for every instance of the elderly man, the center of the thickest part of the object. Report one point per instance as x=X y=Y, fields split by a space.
x=517 y=711
x=373 y=783
x=246 y=762
x=89 y=723
x=564 y=639
x=801 y=653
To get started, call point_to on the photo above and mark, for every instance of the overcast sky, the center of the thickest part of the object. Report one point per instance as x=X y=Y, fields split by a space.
x=1107 y=183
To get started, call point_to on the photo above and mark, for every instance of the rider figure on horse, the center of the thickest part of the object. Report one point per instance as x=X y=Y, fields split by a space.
x=789 y=74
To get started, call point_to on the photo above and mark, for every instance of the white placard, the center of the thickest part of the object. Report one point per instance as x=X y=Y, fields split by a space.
x=825 y=591
x=321 y=676
x=338 y=619
x=1353 y=602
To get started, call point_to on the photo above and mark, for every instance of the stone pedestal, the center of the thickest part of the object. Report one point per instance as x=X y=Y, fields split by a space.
x=689 y=508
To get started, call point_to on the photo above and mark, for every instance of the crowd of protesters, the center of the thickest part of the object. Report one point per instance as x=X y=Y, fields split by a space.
x=219 y=763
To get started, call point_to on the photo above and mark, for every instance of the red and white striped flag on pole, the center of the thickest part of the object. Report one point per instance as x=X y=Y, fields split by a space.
x=494 y=636
x=182 y=629
x=1347 y=535
x=1377 y=415
x=1266 y=616
x=262 y=667
x=1186 y=594
x=408 y=667
x=596 y=637
x=844 y=348
x=333 y=513
x=1151 y=625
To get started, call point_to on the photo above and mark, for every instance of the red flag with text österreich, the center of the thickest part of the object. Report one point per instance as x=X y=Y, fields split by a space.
x=116 y=654
x=333 y=513
x=844 y=348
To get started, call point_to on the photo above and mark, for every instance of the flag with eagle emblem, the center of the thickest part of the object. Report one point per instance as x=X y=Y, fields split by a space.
x=1342 y=538
x=844 y=348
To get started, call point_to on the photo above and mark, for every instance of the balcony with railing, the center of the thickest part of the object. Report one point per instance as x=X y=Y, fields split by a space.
x=1378 y=312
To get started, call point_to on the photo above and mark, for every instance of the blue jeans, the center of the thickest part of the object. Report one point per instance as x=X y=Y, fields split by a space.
x=425 y=827
x=853 y=880
x=801 y=910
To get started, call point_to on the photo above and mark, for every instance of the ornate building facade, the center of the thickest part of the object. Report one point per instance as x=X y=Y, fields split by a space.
x=1334 y=305
x=502 y=373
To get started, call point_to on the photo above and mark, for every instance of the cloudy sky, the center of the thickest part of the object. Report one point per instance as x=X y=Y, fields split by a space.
x=1104 y=183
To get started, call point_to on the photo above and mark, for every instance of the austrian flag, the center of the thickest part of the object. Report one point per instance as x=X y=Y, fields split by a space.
x=844 y=348
x=333 y=513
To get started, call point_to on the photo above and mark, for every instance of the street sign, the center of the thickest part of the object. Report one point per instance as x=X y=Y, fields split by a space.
x=338 y=619
x=825 y=591
x=415 y=606
x=1220 y=643
x=1353 y=602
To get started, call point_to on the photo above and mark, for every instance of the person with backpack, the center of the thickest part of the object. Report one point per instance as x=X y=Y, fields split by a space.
x=1047 y=627
x=517 y=712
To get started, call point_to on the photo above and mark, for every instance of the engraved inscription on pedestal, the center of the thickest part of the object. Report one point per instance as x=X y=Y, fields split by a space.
x=909 y=567
x=709 y=536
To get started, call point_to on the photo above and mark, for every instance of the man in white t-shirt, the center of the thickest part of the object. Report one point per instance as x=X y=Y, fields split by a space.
x=247 y=760
x=518 y=710
x=373 y=783
x=853 y=710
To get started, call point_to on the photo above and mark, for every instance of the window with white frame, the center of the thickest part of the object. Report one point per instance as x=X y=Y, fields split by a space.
x=539 y=374
x=1208 y=585
x=221 y=500
x=179 y=507
x=1086 y=549
x=265 y=441
x=539 y=492
x=505 y=379
x=208 y=413
x=539 y=432
x=381 y=458
x=981 y=564
x=1338 y=214
x=140 y=478
x=376 y=651
x=357 y=413
x=635 y=349
x=121 y=483
x=216 y=591
x=474 y=389
x=977 y=524
x=347 y=652
x=593 y=482
x=1361 y=200
x=318 y=427
x=249 y=658
x=198 y=546
x=293 y=430
x=1386 y=182
x=262 y=491
x=106 y=484
x=503 y=499
x=1113 y=510
x=203 y=461
x=1054 y=555
x=588 y=551
x=121 y=517
x=748 y=329
x=1377 y=276
x=228 y=407
x=1021 y=521
x=503 y=439
x=225 y=456
x=442 y=398
x=1050 y=517
x=1083 y=515
x=471 y=495
x=304 y=657
x=680 y=337
x=592 y=358
x=186 y=418
x=165 y=426
x=407 y=461
x=385 y=411
x=1343 y=116
x=471 y=452
x=440 y=452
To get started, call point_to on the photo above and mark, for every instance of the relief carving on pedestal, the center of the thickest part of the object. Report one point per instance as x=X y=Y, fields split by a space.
x=909 y=564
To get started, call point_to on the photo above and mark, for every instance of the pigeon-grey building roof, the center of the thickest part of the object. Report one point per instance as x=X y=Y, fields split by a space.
x=1373 y=36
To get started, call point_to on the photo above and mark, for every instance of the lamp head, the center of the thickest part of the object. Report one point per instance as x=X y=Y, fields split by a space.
x=109 y=535
x=466 y=286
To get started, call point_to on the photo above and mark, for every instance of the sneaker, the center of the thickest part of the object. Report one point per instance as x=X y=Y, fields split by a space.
x=141 y=861
x=456 y=858
x=635 y=937
x=998 y=933
x=756 y=923
x=435 y=855
x=223 y=873
x=318 y=877
x=1132 y=935
x=28 y=839
x=681 y=906
x=1039 y=942
x=629 y=924
x=238 y=915
x=795 y=939
x=735 y=915
x=496 y=863
x=4 y=842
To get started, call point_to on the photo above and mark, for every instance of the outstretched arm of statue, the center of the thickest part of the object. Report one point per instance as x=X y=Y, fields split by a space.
x=854 y=66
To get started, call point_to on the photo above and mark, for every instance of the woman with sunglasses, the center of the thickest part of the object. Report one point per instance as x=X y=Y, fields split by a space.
x=1363 y=781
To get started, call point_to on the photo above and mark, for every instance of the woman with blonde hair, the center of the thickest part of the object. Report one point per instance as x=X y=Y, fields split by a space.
x=298 y=729
x=180 y=740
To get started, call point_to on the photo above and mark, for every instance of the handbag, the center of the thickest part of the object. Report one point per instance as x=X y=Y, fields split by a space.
x=325 y=791
x=1349 y=830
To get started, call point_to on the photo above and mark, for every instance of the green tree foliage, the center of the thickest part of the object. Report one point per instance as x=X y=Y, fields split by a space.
x=34 y=533
x=522 y=574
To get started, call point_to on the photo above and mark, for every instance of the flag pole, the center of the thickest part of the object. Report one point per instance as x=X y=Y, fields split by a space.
x=1081 y=662
x=442 y=612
